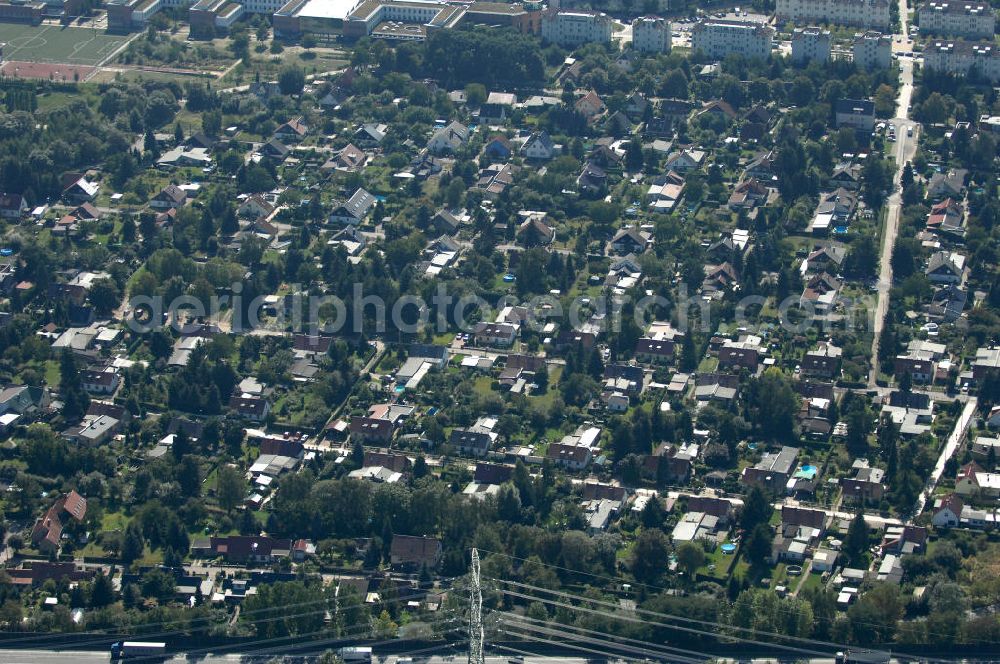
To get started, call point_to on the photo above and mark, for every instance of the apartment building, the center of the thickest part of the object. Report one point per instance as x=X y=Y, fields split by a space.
x=963 y=58
x=651 y=34
x=973 y=20
x=862 y=13
x=718 y=38
x=872 y=50
x=810 y=44
x=575 y=28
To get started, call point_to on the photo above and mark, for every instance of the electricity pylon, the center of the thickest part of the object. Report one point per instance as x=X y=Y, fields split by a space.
x=475 y=613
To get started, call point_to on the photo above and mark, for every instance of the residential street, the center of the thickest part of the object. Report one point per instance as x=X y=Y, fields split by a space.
x=906 y=148
x=954 y=440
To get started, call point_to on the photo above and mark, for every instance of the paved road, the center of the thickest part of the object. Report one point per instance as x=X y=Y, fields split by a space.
x=906 y=148
x=954 y=440
x=98 y=657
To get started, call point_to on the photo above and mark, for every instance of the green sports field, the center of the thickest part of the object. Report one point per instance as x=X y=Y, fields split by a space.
x=57 y=44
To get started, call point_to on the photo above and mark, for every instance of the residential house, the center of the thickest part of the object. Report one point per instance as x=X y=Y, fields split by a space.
x=498 y=148
x=947 y=304
x=371 y=429
x=985 y=447
x=497 y=107
x=370 y=135
x=846 y=175
x=743 y=354
x=449 y=138
x=534 y=231
x=655 y=351
x=947 y=185
x=539 y=147
x=606 y=155
x=181 y=156
x=292 y=131
x=670 y=464
x=975 y=483
x=948 y=511
x=947 y=217
x=825 y=259
x=274 y=150
x=686 y=160
x=494 y=180
x=256 y=549
x=630 y=241
x=46 y=534
x=912 y=412
x=573 y=457
x=904 y=540
x=79 y=189
x=93 y=431
x=255 y=207
x=762 y=167
x=866 y=485
x=102 y=380
x=858 y=114
x=695 y=527
x=773 y=471
x=748 y=194
x=495 y=334
x=170 y=196
x=921 y=369
x=253 y=408
x=23 y=399
x=636 y=105
x=590 y=105
x=354 y=211
x=414 y=553
x=471 y=442
x=348 y=159
x=716 y=387
x=946 y=267
x=986 y=362
x=835 y=208
x=592 y=179
x=822 y=362
x=821 y=292
x=487 y=479
x=665 y=191
x=12 y=206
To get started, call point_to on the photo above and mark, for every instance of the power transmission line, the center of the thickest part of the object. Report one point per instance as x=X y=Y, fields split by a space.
x=714 y=635
x=564 y=636
x=547 y=624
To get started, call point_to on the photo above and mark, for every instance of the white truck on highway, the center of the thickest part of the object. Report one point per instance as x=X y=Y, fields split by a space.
x=150 y=650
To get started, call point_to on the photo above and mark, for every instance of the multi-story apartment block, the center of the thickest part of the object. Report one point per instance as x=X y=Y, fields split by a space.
x=810 y=45
x=651 y=34
x=718 y=38
x=575 y=28
x=872 y=50
x=974 y=20
x=862 y=13
x=963 y=58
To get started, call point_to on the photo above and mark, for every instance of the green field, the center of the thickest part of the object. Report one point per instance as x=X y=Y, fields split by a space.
x=57 y=44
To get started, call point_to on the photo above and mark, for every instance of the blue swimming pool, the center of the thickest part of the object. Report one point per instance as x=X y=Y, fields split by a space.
x=728 y=548
x=840 y=230
x=508 y=278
